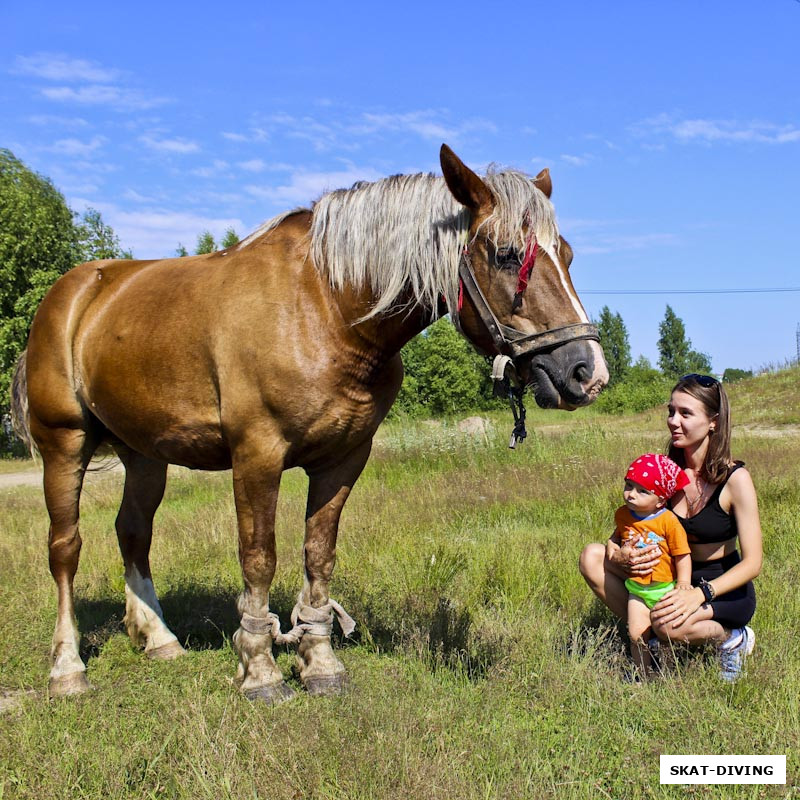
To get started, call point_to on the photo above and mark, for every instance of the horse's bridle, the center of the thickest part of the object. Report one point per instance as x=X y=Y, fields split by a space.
x=510 y=343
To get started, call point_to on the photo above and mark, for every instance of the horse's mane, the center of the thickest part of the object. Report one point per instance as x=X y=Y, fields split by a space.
x=405 y=234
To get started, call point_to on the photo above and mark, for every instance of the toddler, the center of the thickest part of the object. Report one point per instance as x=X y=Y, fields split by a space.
x=644 y=520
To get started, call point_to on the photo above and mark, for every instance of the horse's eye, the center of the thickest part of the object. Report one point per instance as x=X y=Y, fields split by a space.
x=508 y=258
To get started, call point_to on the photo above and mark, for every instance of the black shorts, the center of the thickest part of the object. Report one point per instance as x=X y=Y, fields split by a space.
x=735 y=608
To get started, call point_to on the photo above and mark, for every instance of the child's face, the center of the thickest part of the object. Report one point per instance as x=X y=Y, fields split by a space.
x=640 y=500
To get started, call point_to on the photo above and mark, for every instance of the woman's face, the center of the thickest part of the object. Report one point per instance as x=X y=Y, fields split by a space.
x=688 y=421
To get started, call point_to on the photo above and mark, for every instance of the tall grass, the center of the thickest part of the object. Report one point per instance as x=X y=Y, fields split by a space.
x=482 y=666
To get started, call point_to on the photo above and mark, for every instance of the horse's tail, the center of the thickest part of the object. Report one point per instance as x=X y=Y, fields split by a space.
x=20 y=413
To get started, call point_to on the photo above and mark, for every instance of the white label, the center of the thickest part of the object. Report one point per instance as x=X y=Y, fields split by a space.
x=723 y=769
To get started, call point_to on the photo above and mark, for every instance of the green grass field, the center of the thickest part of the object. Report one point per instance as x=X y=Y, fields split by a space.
x=482 y=667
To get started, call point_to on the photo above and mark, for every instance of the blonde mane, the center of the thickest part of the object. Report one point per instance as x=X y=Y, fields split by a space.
x=403 y=236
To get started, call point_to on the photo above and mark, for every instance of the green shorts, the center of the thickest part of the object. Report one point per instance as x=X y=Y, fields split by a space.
x=651 y=593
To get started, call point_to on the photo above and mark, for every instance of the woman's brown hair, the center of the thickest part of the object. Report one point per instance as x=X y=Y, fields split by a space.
x=710 y=392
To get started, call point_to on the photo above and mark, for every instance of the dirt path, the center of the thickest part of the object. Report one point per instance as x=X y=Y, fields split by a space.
x=33 y=477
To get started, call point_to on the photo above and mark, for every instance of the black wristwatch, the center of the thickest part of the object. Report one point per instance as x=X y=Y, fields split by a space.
x=707 y=589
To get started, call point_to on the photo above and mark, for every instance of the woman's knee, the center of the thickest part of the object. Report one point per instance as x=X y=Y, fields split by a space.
x=591 y=563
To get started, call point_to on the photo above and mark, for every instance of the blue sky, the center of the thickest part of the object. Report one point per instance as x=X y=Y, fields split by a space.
x=672 y=130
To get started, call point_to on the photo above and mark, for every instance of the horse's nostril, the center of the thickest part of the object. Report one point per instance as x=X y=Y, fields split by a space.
x=581 y=372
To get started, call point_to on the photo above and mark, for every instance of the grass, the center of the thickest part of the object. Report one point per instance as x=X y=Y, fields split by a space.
x=482 y=666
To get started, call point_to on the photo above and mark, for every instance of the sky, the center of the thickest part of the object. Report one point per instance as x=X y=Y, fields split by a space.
x=671 y=131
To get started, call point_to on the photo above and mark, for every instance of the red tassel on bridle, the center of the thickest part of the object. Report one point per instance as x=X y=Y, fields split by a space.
x=525 y=271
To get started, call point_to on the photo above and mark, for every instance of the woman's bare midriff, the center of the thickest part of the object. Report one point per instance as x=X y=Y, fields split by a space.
x=711 y=551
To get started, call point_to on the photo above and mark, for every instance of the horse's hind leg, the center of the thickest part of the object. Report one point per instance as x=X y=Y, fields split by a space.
x=145 y=480
x=320 y=670
x=65 y=455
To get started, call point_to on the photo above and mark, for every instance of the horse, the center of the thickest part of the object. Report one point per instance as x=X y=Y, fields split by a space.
x=284 y=351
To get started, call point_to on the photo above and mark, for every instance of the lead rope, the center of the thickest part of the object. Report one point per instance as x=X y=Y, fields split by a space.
x=506 y=385
x=305 y=620
x=519 y=433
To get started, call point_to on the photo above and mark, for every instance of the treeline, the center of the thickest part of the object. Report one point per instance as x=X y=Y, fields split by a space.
x=638 y=386
x=444 y=375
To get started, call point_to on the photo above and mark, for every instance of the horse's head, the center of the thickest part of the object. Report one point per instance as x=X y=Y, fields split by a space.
x=519 y=300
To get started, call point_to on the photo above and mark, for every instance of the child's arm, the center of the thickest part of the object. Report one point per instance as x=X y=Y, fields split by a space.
x=683 y=571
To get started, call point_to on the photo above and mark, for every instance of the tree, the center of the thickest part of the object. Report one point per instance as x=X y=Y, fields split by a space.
x=229 y=239
x=38 y=242
x=444 y=375
x=40 y=239
x=181 y=251
x=676 y=356
x=205 y=243
x=615 y=344
x=98 y=240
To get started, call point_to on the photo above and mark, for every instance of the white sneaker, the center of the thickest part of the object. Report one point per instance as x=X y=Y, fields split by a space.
x=731 y=659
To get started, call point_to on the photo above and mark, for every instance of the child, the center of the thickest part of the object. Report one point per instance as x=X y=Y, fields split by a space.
x=644 y=520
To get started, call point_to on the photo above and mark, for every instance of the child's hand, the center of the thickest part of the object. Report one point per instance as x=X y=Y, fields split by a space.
x=686 y=587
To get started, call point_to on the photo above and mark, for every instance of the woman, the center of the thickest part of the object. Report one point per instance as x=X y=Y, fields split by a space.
x=716 y=508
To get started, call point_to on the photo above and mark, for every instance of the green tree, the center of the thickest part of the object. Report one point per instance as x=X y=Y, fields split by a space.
x=38 y=242
x=643 y=387
x=444 y=375
x=229 y=238
x=731 y=375
x=615 y=344
x=181 y=251
x=205 y=243
x=676 y=356
x=97 y=239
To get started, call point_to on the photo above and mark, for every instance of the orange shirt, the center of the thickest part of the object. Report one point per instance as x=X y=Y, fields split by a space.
x=661 y=528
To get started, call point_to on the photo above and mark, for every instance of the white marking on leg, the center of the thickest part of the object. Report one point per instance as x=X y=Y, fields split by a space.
x=64 y=652
x=143 y=616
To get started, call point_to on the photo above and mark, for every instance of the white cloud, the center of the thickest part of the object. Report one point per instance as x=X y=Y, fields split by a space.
x=63 y=68
x=259 y=165
x=711 y=131
x=156 y=232
x=615 y=243
x=254 y=135
x=577 y=161
x=215 y=169
x=115 y=97
x=305 y=187
x=177 y=145
x=76 y=147
x=55 y=121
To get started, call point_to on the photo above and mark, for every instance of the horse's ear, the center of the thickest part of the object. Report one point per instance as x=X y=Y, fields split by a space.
x=463 y=183
x=544 y=183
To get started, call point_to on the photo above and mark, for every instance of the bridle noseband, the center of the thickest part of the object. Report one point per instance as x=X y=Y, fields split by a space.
x=510 y=343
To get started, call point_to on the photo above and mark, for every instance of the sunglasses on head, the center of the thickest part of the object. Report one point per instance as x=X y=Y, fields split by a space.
x=705 y=381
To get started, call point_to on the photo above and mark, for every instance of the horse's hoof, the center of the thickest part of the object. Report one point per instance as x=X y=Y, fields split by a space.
x=166 y=652
x=319 y=685
x=74 y=683
x=271 y=695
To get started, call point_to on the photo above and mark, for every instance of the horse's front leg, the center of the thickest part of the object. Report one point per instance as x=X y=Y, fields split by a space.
x=255 y=485
x=320 y=670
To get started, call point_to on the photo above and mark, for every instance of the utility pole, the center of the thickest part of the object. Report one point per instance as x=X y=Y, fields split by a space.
x=798 y=342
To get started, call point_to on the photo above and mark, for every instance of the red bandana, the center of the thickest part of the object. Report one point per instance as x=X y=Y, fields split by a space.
x=659 y=474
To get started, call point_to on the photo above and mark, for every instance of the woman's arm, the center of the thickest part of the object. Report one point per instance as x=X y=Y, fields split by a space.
x=676 y=607
x=744 y=507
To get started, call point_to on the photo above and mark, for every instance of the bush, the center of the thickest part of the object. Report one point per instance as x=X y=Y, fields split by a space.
x=642 y=388
x=443 y=375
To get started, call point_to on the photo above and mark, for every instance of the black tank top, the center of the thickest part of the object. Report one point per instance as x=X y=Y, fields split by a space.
x=711 y=524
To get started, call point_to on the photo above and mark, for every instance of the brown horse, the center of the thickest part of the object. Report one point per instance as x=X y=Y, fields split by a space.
x=279 y=352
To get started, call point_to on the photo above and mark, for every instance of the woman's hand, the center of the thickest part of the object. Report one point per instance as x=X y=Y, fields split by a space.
x=675 y=607
x=636 y=561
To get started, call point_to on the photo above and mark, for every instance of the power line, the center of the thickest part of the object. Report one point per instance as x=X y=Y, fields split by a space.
x=777 y=289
